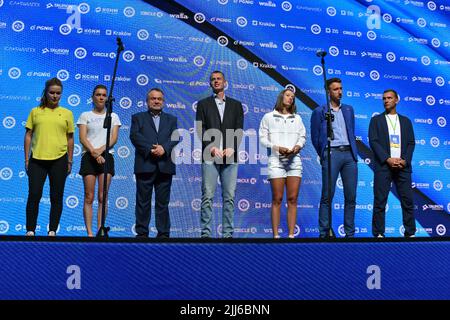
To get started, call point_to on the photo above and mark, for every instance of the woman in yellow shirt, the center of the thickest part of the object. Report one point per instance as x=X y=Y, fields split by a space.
x=48 y=146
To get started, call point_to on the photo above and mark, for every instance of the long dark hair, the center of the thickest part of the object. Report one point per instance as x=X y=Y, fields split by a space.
x=279 y=104
x=48 y=84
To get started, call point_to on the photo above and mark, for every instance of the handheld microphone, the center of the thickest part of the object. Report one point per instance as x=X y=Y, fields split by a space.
x=120 y=44
x=321 y=53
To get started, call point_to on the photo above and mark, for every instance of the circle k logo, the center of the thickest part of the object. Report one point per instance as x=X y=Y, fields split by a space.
x=441 y=121
x=374 y=75
x=431 y=5
x=425 y=60
x=316 y=29
x=440 y=81
x=317 y=70
x=129 y=12
x=125 y=103
x=123 y=152
x=222 y=41
x=18 y=26
x=142 y=80
x=436 y=42
x=243 y=205
x=331 y=11
x=121 y=203
x=14 y=73
x=288 y=46
x=143 y=34
x=80 y=53
x=65 y=29
x=441 y=229
x=9 y=122
x=6 y=173
x=371 y=35
x=430 y=100
x=434 y=141
x=199 y=61
x=421 y=22
x=387 y=18
x=334 y=51
x=390 y=56
x=241 y=21
x=438 y=185
x=74 y=100
x=199 y=17
x=84 y=8
x=72 y=202
x=128 y=56
x=63 y=75
x=286 y=6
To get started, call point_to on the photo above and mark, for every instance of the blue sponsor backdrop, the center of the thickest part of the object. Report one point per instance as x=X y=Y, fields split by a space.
x=262 y=47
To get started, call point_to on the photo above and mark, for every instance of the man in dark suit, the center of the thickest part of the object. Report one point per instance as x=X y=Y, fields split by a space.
x=219 y=123
x=343 y=156
x=154 y=135
x=391 y=138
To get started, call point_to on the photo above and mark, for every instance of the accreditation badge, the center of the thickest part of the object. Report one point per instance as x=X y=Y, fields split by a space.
x=394 y=140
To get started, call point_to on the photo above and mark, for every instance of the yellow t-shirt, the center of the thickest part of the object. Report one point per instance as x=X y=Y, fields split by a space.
x=50 y=128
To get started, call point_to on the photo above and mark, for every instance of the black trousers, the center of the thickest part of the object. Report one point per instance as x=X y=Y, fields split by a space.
x=145 y=182
x=382 y=186
x=38 y=170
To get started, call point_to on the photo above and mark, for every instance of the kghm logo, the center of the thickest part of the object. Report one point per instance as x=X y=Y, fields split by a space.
x=199 y=61
x=440 y=81
x=199 y=17
x=374 y=75
x=334 y=51
x=74 y=100
x=241 y=21
x=316 y=29
x=430 y=100
x=129 y=12
x=421 y=22
x=143 y=34
x=80 y=53
x=18 y=26
x=317 y=70
x=123 y=152
x=288 y=46
x=222 y=41
x=125 y=103
x=286 y=6
x=14 y=73
x=63 y=75
x=390 y=56
x=331 y=11
x=142 y=80
x=242 y=64
x=83 y=8
x=128 y=56
x=425 y=60
x=72 y=202
x=9 y=122
x=65 y=29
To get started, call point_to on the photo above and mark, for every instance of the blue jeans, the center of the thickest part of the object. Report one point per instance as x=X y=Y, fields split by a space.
x=228 y=178
x=341 y=162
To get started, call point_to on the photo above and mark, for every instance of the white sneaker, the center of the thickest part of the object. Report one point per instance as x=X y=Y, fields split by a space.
x=30 y=234
x=52 y=234
x=291 y=236
x=380 y=236
x=276 y=237
x=412 y=236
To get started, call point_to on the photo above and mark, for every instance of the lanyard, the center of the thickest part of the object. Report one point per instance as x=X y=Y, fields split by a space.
x=395 y=125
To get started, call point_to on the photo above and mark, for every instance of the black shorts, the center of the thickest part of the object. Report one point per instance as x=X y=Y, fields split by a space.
x=90 y=166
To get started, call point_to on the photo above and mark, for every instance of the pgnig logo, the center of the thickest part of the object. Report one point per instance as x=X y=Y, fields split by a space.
x=72 y=202
x=374 y=75
x=241 y=21
x=14 y=73
x=83 y=8
x=196 y=204
x=288 y=46
x=125 y=103
x=63 y=75
x=438 y=185
x=74 y=100
x=199 y=61
x=123 y=152
x=6 y=174
x=243 y=205
x=142 y=80
x=222 y=41
x=128 y=56
x=390 y=56
x=434 y=141
x=18 y=26
x=9 y=122
x=4 y=227
x=317 y=70
x=441 y=229
x=143 y=34
x=80 y=53
x=129 y=12
x=121 y=203
x=286 y=6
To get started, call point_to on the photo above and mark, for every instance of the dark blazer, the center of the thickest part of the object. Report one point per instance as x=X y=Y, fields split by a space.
x=143 y=135
x=233 y=118
x=319 y=129
x=380 y=145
